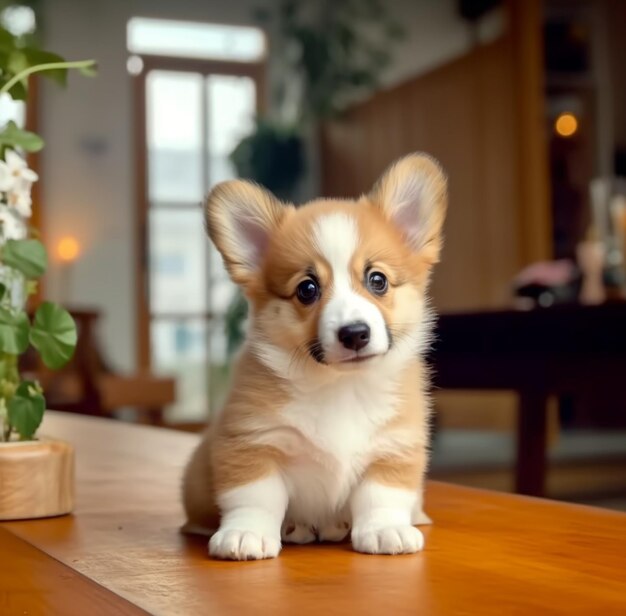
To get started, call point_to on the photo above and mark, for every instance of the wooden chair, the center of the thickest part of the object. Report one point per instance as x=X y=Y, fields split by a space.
x=90 y=386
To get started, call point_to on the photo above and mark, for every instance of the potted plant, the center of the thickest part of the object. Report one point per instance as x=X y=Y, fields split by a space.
x=273 y=156
x=36 y=473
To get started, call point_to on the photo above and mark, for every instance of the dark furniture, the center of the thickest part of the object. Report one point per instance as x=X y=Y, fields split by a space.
x=90 y=385
x=578 y=351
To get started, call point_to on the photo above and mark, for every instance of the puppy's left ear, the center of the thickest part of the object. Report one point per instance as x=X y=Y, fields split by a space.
x=412 y=194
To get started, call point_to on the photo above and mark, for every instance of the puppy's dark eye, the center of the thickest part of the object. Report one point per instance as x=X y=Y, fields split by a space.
x=377 y=283
x=308 y=291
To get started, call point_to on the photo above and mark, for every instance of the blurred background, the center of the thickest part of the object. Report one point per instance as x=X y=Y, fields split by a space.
x=523 y=102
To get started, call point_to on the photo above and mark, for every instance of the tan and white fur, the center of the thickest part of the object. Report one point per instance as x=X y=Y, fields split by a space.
x=325 y=432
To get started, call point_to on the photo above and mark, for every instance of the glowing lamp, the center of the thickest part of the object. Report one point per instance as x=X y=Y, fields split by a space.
x=566 y=124
x=68 y=249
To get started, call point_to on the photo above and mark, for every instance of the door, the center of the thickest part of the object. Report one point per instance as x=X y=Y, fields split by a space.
x=191 y=114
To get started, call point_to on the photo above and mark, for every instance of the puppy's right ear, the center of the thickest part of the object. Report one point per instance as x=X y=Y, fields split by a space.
x=240 y=217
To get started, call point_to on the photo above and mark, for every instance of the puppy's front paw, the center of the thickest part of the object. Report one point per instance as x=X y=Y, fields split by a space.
x=243 y=545
x=388 y=540
x=298 y=533
x=336 y=532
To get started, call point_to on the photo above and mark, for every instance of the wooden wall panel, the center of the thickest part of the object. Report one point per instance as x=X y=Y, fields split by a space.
x=532 y=178
x=464 y=114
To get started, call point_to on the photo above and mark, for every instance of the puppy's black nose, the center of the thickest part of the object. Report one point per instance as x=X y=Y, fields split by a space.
x=354 y=336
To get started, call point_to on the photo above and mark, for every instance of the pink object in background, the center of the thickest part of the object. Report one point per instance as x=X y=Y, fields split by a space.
x=547 y=273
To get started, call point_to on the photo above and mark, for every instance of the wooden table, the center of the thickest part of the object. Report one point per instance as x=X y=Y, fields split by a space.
x=574 y=350
x=121 y=552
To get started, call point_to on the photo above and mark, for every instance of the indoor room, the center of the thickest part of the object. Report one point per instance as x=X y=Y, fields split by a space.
x=123 y=324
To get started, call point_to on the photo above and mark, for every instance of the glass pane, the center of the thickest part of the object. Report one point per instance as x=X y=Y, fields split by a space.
x=195 y=39
x=231 y=108
x=179 y=349
x=174 y=134
x=178 y=269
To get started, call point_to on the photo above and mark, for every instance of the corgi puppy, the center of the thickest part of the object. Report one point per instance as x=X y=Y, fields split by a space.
x=326 y=429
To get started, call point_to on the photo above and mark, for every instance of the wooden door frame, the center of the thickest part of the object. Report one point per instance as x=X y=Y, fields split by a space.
x=254 y=70
x=534 y=202
x=33 y=159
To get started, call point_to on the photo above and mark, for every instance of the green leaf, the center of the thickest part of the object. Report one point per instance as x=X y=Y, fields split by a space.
x=31 y=287
x=3 y=290
x=25 y=409
x=18 y=91
x=14 y=329
x=34 y=57
x=15 y=137
x=89 y=70
x=4 y=369
x=7 y=40
x=26 y=256
x=86 y=67
x=17 y=62
x=53 y=334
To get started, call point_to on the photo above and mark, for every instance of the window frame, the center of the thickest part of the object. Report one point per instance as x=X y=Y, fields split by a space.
x=254 y=70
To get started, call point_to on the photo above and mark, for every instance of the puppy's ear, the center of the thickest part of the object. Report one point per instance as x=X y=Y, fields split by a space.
x=412 y=194
x=240 y=217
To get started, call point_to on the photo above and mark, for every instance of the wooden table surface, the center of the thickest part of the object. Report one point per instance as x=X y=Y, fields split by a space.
x=121 y=552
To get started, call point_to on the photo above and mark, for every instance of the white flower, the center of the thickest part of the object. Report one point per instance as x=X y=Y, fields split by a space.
x=11 y=227
x=16 y=180
x=21 y=202
x=15 y=174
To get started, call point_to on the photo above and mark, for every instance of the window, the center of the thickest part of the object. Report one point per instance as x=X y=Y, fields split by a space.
x=191 y=114
x=195 y=40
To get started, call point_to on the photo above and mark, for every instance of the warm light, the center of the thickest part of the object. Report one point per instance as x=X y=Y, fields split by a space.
x=68 y=249
x=566 y=124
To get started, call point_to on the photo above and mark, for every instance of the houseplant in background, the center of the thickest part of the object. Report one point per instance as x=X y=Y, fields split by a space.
x=36 y=476
x=326 y=55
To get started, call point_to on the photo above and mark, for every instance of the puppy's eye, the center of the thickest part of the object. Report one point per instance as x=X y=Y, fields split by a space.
x=377 y=283
x=308 y=291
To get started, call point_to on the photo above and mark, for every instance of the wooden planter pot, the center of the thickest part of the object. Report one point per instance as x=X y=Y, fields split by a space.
x=36 y=479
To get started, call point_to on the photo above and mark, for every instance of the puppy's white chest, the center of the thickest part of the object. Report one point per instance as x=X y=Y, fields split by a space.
x=339 y=435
